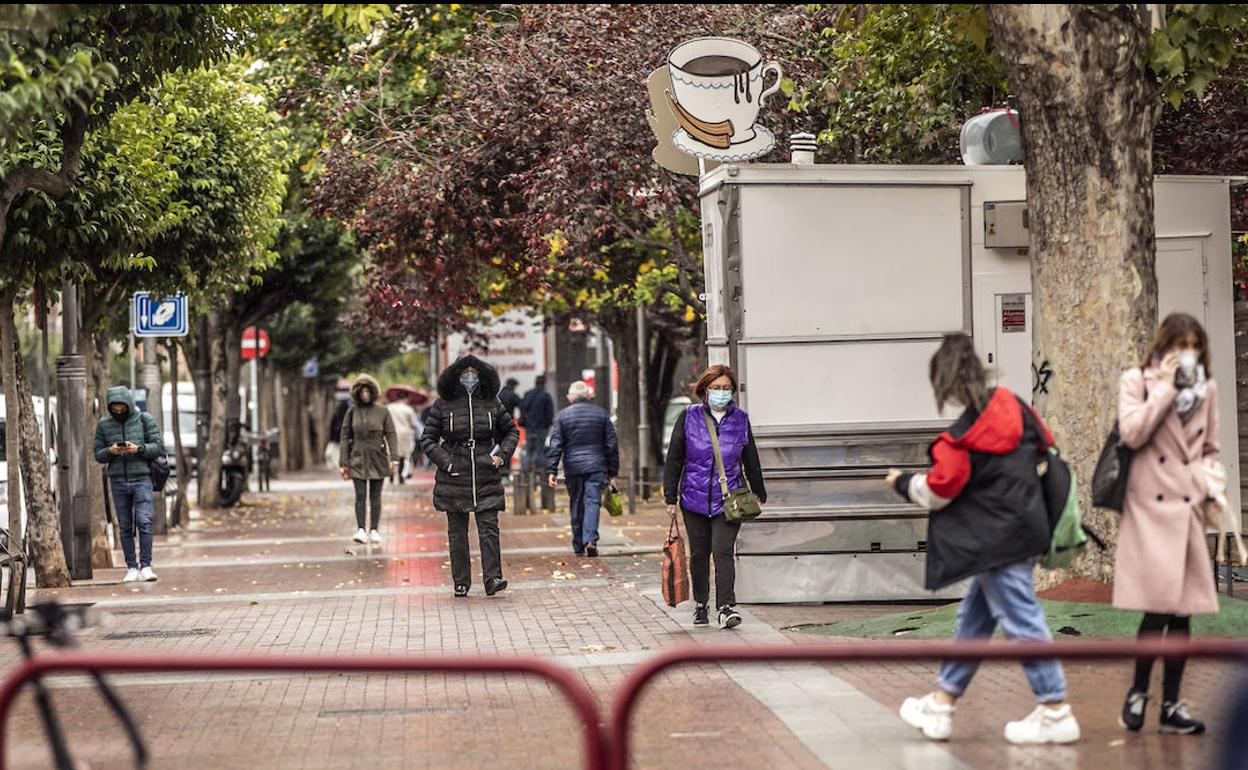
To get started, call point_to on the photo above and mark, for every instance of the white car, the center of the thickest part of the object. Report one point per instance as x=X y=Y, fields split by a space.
x=50 y=440
x=674 y=407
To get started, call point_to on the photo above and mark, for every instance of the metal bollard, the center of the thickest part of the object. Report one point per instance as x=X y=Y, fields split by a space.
x=632 y=493
x=520 y=493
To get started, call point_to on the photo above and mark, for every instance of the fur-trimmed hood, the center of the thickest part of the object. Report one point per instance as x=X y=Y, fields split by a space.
x=360 y=383
x=448 y=382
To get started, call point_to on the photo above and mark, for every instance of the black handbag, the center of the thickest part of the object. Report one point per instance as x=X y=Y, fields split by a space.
x=1109 y=480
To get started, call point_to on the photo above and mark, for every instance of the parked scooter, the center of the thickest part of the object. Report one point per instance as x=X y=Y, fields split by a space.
x=234 y=464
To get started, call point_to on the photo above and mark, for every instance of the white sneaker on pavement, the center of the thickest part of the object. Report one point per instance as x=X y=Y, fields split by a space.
x=148 y=575
x=132 y=576
x=934 y=720
x=360 y=536
x=374 y=536
x=1044 y=725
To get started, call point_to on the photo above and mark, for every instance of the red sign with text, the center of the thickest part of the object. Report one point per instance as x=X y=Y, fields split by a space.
x=253 y=342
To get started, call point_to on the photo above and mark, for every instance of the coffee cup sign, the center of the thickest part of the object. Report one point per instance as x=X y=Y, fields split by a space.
x=718 y=87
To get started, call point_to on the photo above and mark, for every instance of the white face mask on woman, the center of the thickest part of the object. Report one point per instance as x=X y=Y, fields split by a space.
x=719 y=399
x=1188 y=359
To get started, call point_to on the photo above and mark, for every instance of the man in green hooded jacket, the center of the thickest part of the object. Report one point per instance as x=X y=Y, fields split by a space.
x=127 y=441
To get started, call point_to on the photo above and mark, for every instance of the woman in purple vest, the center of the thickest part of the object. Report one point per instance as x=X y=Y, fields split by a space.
x=689 y=476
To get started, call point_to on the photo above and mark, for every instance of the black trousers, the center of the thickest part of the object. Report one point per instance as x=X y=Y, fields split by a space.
x=370 y=488
x=712 y=535
x=457 y=537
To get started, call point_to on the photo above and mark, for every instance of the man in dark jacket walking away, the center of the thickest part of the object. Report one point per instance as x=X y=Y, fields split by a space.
x=537 y=414
x=508 y=396
x=127 y=441
x=469 y=436
x=584 y=438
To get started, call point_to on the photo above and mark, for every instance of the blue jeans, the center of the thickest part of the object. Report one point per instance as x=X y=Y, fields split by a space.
x=534 y=457
x=133 y=501
x=585 y=491
x=1006 y=596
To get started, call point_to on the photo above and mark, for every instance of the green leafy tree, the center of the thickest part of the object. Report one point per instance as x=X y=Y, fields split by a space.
x=898 y=81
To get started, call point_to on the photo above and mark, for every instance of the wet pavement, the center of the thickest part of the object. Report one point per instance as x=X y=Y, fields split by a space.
x=281 y=575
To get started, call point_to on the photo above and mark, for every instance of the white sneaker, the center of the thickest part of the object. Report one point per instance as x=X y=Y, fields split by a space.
x=132 y=576
x=934 y=720
x=1044 y=725
x=360 y=536
x=374 y=536
x=148 y=575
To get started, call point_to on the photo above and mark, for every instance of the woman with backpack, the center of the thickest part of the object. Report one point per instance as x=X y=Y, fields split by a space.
x=1168 y=414
x=988 y=523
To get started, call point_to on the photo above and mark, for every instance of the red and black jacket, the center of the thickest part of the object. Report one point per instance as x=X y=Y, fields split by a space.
x=983 y=487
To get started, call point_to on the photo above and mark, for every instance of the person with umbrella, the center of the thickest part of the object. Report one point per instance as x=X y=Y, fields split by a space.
x=405 y=425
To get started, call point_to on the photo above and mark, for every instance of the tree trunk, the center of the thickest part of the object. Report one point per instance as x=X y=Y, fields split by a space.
x=43 y=520
x=1088 y=106
x=210 y=467
x=12 y=446
x=181 y=516
x=98 y=351
x=235 y=408
x=285 y=437
x=321 y=401
x=303 y=420
x=660 y=377
x=622 y=327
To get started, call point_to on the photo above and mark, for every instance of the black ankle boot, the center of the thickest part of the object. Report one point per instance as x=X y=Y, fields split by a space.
x=494 y=585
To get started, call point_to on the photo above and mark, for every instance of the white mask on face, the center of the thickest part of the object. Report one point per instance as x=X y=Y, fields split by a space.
x=1187 y=362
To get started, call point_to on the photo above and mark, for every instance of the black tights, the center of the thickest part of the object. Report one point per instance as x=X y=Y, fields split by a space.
x=1174 y=626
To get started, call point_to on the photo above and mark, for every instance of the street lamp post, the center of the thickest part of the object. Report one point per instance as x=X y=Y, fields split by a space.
x=71 y=391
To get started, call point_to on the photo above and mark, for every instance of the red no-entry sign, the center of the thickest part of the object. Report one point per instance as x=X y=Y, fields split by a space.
x=253 y=342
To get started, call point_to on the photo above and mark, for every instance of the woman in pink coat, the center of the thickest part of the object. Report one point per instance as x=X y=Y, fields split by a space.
x=1167 y=413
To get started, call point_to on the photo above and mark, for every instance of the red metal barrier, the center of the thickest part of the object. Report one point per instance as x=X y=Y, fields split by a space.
x=61 y=662
x=630 y=691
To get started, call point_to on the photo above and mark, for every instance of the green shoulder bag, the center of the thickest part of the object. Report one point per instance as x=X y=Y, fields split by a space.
x=740 y=504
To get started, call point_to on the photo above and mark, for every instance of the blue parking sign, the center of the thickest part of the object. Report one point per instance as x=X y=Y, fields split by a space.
x=159 y=317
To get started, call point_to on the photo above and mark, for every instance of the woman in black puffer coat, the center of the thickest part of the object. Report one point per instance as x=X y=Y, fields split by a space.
x=470 y=436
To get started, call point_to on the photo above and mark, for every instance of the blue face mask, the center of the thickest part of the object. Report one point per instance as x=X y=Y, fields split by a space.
x=469 y=381
x=719 y=399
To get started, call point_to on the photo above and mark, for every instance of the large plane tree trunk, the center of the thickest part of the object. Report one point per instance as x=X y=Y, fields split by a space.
x=12 y=447
x=1088 y=106
x=210 y=468
x=43 y=520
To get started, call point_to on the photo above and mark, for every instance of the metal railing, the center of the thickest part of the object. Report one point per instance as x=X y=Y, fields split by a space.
x=607 y=748
x=595 y=750
x=641 y=677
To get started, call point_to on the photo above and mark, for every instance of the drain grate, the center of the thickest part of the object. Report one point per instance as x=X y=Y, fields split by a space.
x=391 y=712
x=183 y=634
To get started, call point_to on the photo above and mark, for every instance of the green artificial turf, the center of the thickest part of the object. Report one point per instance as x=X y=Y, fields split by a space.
x=1066 y=620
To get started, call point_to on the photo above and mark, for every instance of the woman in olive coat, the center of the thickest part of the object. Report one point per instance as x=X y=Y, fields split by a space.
x=370 y=452
x=470 y=436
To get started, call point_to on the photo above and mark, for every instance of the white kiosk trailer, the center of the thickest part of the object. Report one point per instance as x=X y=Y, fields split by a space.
x=828 y=289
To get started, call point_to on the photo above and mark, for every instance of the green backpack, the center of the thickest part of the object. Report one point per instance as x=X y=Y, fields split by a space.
x=1069 y=537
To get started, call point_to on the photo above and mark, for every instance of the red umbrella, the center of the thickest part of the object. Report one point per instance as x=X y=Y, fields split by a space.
x=414 y=396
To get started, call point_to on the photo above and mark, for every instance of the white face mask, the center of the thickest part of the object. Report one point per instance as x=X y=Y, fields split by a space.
x=1187 y=362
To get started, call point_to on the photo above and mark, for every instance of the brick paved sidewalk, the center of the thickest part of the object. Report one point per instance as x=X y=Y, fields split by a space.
x=280 y=574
